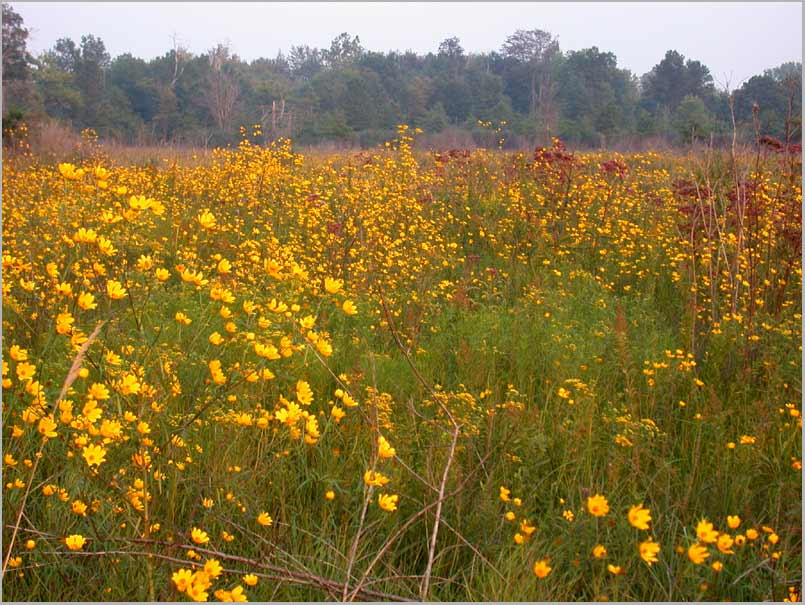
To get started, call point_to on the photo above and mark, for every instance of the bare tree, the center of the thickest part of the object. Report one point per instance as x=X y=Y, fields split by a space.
x=180 y=55
x=538 y=49
x=221 y=92
x=277 y=120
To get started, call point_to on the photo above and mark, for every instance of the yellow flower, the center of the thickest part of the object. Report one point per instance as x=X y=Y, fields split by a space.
x=600 y=551
x=597 y=505
x=91 y=411
x=213 y=568
x=115 y=290
x=375 y=479
x=705 y=532
x=717 y=566
x=384 y=449
x=330 y=494
x=224 y=266
x=267 y=351
x=349 y=308
x=388 y=502
x=250 y=579
x=615 y=570
x=304 y=394
x=527 y=528
x=47 y=426
x=207 y=220
x=237 y=595
x=110 y=429
x=69 y=171
x=25 y=371
x=510 y=516
x=217 y=374
x=733 y=521
x=752 y=533
x=725 y=543
x=324 y=347
x=639 y=517
x=75 y=542
x=697 y=553
x=94 y=455
x=182 y=579
x=264 y=519
x=504 y=494
x=648 y=551
x=17 y=353
x=99 y=391
x=64 y=289
x=333 y=285
x=128 y=385
x=541 y=568
x=197 y=592
x=86 y=301
x=9 y=460
x=64 y=323
x=79 y=508
x=145 y=263
x=198 y=536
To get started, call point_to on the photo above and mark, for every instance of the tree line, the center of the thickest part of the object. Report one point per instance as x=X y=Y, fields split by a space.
x=525 y=93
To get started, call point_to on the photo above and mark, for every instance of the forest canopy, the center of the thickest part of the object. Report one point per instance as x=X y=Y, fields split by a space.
x=525 y=93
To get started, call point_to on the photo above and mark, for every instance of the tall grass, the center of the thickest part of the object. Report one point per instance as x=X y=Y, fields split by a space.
x=559 y=325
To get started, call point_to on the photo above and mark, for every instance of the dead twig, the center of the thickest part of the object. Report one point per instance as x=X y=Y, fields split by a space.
x=423 y=593
x=68 y=381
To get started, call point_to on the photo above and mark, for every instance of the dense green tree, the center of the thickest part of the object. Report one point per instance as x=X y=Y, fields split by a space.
x=57 y=90
x=305 y=62
x=597 y=99
x=343 y=51
x=691 y=119
x=535 y=56
x=435 y=120
x=673 y=79
x=90 y=77
x=131 y=75
x=777 y=94
x=455 y=96
x=18 y=90
x=17 y=60
x=354 y=96
x=486 y=90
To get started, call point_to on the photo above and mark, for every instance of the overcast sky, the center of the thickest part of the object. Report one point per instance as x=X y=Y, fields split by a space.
x=735 y=40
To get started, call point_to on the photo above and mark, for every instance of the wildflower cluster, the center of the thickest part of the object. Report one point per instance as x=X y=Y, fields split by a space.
x=260 y=374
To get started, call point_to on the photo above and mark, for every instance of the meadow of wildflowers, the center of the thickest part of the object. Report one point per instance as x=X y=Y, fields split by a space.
x=402 y=375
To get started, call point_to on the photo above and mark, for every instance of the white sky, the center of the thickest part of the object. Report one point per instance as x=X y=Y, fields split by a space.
x=735 y=40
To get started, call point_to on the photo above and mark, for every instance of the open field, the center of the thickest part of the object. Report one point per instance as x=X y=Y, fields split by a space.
x=403 y=375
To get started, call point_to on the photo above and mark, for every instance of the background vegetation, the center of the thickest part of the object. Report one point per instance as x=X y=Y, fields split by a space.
x=526 y=92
